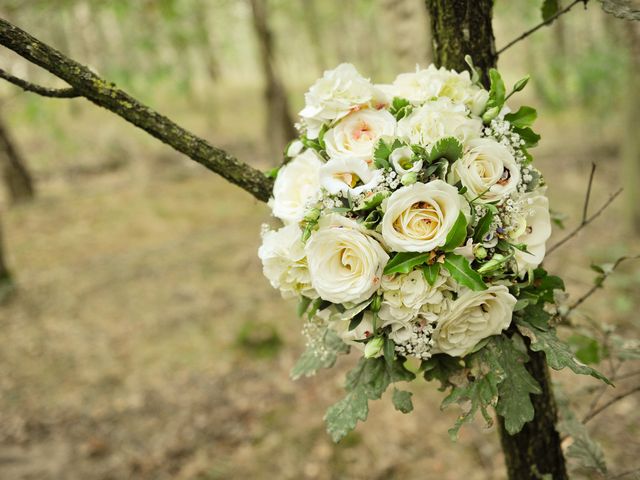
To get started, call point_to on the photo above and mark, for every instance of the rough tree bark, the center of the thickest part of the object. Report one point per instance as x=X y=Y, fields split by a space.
x=279 y=121
x=14 y=170
x=459 y=28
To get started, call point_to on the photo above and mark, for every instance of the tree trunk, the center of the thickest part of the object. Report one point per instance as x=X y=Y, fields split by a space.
x=279 y=122
x=16 y=176
x=6 y=282
x=459 y=28
x=631 y=139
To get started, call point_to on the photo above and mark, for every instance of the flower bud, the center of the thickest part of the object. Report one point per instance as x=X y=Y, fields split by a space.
x=312 y=215
x=492 y=264
x=375 y=304
x=373 y=347
x=409 y=178
x=490 y=114
x=479 y=252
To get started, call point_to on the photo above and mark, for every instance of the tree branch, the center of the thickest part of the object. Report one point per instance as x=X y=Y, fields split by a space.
x=610 y=402
x=42 y=91
x=105 y=94
x=548 y=21
x=585 y=220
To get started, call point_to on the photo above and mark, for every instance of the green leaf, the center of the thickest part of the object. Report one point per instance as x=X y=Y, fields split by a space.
x=400 y=108
x=313 y=359
x=303 y=305
x=389 y=351
x=431 y=273
x=524 y=117
x=402 y=400
x=537 y=316
x=497 y=91
x=549 y=9
x=404 y=262
x=381 y=154
x=441 y=367
x=343 y=416
x=558 y=353
x=586 y=349
x=457 y=235
x=530 y=137
x=447 y=147
x=483 y=226
x=515 y=404
x=461 y=271
x=373 y=201
x=355 y=321
x=621 y=8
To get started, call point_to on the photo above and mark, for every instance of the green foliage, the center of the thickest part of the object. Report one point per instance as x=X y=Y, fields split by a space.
x=524 y=117
x=382 y=152
x=624 y=9
x=549 y=9
x=404 y=262
x=402 y=400
x=367 y=381
x=400 y=108
x=586 y=349
x=457 y=234
x=483 y=226
x=431 y=272
x=558 y=353
x=447 y=147
x=497 y=92
x=313 y=359
x=461 y=271
x=514 y=404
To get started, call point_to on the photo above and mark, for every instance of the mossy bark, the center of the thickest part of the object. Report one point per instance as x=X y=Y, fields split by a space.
x=459 y=28
x=107 y=95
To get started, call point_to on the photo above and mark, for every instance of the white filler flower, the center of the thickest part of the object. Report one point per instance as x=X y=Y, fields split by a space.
x=473 y=316
x=345 y=264
x=351 y=175
x=284 y=262
x=297 y=185
x=488 y=170
x=333 y=96
x=437 y=119
x=419 y=217
x=357 y=134
x=536 y=232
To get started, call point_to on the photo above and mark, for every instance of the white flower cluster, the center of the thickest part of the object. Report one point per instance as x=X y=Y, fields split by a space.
x=409 y=211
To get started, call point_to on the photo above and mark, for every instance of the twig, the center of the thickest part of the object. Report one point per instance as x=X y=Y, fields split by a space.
x=600 y=281
x=624 y=376
x=588 y=195
x=105 y=94
x=42 y=91
x=589 y=416
x=624 y=474
x=585 y=221
x=548 y=21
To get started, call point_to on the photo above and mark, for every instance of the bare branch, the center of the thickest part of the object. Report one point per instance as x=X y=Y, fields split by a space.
x=624 y=474
x=585 y=221
x=549 y=21
x=589 y=416
x=588 y=195
x=107 y=95
x=42 y=91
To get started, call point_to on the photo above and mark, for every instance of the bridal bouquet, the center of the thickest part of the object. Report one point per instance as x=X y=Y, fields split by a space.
x=414 y=227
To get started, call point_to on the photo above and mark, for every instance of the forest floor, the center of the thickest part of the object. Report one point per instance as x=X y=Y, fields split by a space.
x=144 y=343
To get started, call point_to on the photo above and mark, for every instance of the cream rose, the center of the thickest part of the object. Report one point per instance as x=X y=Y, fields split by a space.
x=437 y=119
x=488 y=170
x=357 y=134
x=345 y=264
x=418 y=218
x=402 y=159
x=535 y=231
x=297 y=185
x=351 y=175
x=472 y=317
x=284 y=262
x=339 y=92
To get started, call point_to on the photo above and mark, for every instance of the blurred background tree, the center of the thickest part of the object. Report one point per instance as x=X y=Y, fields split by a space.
x=120 y=354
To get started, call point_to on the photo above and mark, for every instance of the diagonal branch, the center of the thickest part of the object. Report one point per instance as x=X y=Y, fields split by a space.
x=42 y=91
x=548 y=21
x=105 y=94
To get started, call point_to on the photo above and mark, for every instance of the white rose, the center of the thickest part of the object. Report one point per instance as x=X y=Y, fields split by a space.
x=418 y=218
x=472 y=317
x=357 y=134
x=402 y=160
x=345 y=263
x=336 y=94
x=437 y=119
x=297 y=185
x=354 y=337
x=488 y=170
x=284 y=262
x=351 y=175
x=536 y=232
